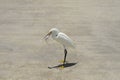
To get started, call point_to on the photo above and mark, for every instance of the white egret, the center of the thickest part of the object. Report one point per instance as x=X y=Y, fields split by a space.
x=62 y=38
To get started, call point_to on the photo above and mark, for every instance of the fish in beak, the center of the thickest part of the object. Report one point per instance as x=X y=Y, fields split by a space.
x=47 y=36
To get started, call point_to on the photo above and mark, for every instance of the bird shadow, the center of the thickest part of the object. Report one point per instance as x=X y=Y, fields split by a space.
x=65 y=65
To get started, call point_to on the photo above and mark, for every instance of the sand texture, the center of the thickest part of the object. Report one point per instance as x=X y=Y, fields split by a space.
x=93 y=25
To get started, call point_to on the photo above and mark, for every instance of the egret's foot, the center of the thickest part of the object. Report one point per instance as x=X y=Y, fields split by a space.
x=61 y=67
x=62 y=61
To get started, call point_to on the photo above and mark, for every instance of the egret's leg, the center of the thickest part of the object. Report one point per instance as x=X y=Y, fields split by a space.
x=65 y=52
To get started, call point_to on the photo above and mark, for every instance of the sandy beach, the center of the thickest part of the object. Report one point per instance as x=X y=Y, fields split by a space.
x=93 y=25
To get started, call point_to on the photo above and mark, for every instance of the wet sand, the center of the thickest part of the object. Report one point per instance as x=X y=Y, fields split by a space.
x=92 y=24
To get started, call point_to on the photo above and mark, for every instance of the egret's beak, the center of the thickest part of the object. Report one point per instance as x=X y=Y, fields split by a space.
x=47 y=36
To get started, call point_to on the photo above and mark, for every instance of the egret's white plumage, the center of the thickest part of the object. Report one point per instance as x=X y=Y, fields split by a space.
x=65 y=40
x=62 y=38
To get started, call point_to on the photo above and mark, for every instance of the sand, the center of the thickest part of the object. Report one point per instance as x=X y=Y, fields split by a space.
x=92 y=24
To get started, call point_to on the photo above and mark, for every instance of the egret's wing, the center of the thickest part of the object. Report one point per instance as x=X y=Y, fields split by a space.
x=65 y=40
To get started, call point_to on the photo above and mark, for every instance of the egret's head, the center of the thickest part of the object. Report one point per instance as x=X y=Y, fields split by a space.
x=53 y=31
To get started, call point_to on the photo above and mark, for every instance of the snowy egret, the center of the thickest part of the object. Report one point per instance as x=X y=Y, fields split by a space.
x=62 y=38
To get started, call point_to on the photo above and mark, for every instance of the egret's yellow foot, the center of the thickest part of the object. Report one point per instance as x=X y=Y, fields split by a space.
x=61 y=61
x=61 y=67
